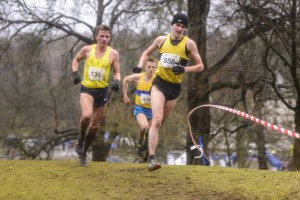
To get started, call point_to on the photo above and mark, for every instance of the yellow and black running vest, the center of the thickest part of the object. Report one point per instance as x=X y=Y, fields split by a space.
x=142 y=95
x=96 y=70
x=169 y=55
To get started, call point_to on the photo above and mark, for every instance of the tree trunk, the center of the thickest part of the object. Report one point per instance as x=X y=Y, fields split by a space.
x=242 y=148
x=295 y=165
x=200 y=121
x=261 y=149
x=259 y=138
x=100 y=149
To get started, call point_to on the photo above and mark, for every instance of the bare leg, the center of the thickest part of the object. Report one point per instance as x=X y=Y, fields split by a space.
x=94 y=125
x=86 y=103
x=157 y=104
x=143 y=125
x=161 y=110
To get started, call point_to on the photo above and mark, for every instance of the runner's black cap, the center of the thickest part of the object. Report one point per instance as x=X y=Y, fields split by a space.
x=180 y=18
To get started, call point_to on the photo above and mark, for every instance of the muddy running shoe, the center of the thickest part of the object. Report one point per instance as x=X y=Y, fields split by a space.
x=153 y=165
x=82 y=158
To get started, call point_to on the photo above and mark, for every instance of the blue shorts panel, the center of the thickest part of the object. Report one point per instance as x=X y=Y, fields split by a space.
x=145 y=111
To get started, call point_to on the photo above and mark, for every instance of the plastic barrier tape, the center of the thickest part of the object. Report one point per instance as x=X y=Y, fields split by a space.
x=246 y=116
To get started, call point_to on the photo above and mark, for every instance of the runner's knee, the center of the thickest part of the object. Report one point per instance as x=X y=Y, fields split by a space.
x=143 y=127
x=157 y=122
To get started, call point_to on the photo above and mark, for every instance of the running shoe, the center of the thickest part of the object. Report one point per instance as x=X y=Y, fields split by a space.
x=152 y=166
x=82 y=158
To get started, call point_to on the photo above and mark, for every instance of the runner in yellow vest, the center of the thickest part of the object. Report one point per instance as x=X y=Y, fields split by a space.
x=142 y=109
x=99 y=60
x=175 y=50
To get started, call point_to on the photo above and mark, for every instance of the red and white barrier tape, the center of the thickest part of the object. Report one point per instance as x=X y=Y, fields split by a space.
x=244 y=115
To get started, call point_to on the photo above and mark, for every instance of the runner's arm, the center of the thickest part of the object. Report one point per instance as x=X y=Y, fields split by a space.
x=82 y=54
x=154 y=46
x=126 y=80
x=194 y=54
x=116 y=65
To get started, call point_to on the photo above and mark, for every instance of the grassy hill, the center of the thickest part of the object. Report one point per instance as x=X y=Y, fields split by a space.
x=67 y=180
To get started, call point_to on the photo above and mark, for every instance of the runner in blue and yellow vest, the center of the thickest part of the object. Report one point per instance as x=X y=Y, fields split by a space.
x=99 y=60
x=175 y=50
x=142 y=109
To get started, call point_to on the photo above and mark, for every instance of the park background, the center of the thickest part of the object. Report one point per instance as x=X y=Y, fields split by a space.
x=250 y=50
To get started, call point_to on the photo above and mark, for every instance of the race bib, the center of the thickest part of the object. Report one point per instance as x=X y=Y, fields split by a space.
x=145 y=98
x=96 y=74
x=168 y=60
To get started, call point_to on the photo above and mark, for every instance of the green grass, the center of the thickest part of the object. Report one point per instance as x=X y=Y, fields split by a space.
x=100 y=180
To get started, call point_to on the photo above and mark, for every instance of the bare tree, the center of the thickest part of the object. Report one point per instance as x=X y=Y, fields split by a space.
x=200 y=87
x=281 y=44
x=225 y=75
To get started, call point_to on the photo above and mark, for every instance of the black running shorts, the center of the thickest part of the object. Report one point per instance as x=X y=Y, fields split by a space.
x=170 y=90
x=99 y=94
